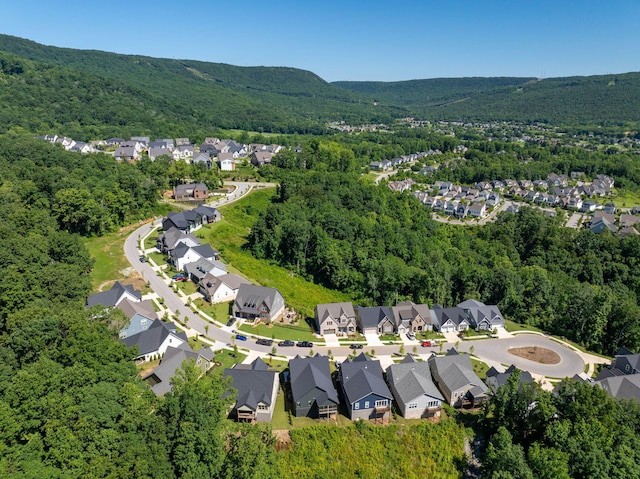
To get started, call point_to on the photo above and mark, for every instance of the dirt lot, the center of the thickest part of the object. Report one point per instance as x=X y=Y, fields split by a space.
x=537 y=354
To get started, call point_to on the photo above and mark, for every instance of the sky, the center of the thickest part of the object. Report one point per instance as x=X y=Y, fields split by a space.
x=351 y=39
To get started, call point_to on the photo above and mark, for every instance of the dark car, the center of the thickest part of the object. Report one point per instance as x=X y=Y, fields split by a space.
x=231 y=321
x=264 y=342
x=179 y=277
x=286 y=342
x=355 y=346
x=143 y=259
x=240 y=337
x=304 y=344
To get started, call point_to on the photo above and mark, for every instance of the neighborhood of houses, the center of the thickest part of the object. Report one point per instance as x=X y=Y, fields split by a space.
x=223 y=152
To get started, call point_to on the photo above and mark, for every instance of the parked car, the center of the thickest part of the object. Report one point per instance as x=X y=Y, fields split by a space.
x=231 y=321
x=240 y=337
x=304 y=344
x=355 y=346
x=264 y=342
x=143 y=259
x=179 y=277
x=286 y=342
x=427 y=344
x=411 y=336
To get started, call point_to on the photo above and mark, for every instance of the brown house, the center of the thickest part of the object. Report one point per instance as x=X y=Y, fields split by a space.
x=191 y=191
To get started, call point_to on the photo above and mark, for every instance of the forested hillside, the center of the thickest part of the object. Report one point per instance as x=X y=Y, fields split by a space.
x=595 y=100
x=383 y=247
x=181 y=95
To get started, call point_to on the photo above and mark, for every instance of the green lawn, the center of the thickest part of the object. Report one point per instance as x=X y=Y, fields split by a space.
x=196 y=344
x=300 y=332
x=626 y=198
x=511 y=327
x=108 y=252
x=218 y=311
x=229 y=237
x=479 y=368
x=226 y=359
x=187 y=287
x=158 y=258
x=150 y=241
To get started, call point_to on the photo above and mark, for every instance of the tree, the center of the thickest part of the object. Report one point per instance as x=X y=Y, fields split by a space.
x=504 y=457
x=193 y=413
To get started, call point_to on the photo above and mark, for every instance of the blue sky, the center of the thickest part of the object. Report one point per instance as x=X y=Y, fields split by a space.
x=352 y=39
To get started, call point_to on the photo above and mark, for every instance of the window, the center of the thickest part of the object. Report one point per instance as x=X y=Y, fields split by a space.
x=382 y=403
x=366 y=404
x=356 y=405
x=263 y=407
x=412 y=405
x=455 y=395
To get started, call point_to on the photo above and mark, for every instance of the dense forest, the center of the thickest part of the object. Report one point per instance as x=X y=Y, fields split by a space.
x=383 y=247
x=594 y=100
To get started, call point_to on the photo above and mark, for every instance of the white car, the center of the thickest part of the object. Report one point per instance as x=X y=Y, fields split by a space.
x=411 y=336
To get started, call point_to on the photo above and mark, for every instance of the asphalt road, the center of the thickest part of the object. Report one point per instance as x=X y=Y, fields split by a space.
x=495 y=350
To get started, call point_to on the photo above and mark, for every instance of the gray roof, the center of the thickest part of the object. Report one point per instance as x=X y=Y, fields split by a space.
x=189 y=187
x=442 y=315
x=362 y=376
x=131 y=308
x=150 y=340
x=211 y=283
x=496 y=379
x=335 y=310
x=207 y=211
x=173 y=236
x=456 y=372
x=622 y=387
x=410 y=380
x=202 y=266
x=408 y=311
x=372 y=316
x=250 y=297
x=111 y=297
x=254 y=383
x=308 y=374
x=173 y=358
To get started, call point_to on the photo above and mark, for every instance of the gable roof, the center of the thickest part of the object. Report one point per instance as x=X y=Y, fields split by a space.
x=173 y=358
x=334 y=310
x=456 y=372
x=131 y=308
x=622 y=387
x=113 y=296
x=254 y=383
x=151 y=339
x=203 y=266
x=496 y=379
x=211 y=283
x=412 y=379
x=207 y=211
x=362 y=376
x=374 y=315
x=308 y=374
x=250 y=297
x=442 y=315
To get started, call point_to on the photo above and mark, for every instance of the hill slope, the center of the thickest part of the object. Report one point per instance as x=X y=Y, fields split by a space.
x=206 y=94
x=602 y=99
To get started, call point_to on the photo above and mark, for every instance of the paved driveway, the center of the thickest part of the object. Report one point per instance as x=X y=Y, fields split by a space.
x=498 y=350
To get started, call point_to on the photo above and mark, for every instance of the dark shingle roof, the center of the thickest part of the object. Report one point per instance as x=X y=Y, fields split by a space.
x=361 y=377
x=312 y=373
x=150 y=340
x=371 y=316
x=111 y=297
x=411 y=380
x=254 y=384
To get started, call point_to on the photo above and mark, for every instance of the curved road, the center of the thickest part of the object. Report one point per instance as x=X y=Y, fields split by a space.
x=492 y=350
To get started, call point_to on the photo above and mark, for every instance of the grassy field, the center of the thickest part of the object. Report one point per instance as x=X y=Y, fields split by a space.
x=229 y=237
x=626 y=199
x=218 y=311
x=511 y=326
x=111 y=264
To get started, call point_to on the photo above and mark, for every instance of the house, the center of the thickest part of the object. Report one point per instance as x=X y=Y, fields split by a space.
x=217 y=289
x=140 y=313
x=256 y=390
x=610 y=208
x=312 y=391
x=496 y=379
x=258 y=303
x=174 y=357
x=413 y=388
x=412 y=317
x=363 y=387
x=628 y=220
x=478 y=210
x=155 y=152
x=126 y=153
x=186 y=221
x=202 y=266
x=227 y=162
x=458 y=383
x=114 y=296
x=622 y=387
x=172 y=237
x=629 y=230
x=376 y=320
x=183 y=254
x=449 y=320
x=154 y=341
x=261 y=158
x=191 y=191
x=462 y=210
x=208 y=214
x=335 y=318
x=202 y=158
x=482 y=316
x=165 y=144
x=182 y=141
x=602 y=225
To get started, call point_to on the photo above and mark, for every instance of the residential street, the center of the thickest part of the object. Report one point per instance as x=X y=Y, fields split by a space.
x=493 y=351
